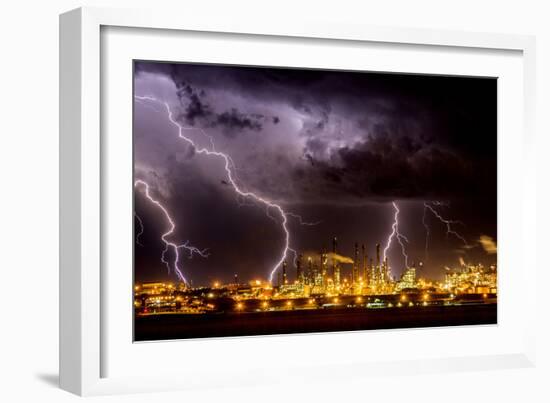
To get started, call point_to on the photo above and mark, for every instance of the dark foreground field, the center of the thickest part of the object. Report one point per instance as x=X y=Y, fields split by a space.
x=181 y=326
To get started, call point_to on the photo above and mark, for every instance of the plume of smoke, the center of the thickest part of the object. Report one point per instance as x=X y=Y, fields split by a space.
x=488 y=244
x=461 y=261
x=339 y=258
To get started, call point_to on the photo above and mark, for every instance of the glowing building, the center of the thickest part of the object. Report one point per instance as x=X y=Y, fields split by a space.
x=408 y=280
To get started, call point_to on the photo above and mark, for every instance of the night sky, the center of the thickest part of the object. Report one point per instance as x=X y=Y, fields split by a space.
x=334 y=147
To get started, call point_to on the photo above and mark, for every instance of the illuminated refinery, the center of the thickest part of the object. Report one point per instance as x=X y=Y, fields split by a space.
x=326 y=280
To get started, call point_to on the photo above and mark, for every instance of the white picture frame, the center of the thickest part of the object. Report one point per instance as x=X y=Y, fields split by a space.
x=83 y=299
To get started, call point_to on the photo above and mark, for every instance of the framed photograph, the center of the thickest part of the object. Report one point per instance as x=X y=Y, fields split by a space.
x=320 y=196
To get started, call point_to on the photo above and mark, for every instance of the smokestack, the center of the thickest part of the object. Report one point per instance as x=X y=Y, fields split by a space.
x=355 y=272
x=378 y=255
x=323 y=267
x=364 y=260
x=309 y=268
x=299 y=275
x=334 y=249
x=372 y=278
x=285 y=280
x=236 y=279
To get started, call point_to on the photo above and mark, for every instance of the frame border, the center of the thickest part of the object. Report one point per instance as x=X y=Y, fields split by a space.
x=80 y=174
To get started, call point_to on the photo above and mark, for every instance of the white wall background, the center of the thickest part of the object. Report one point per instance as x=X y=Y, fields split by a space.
x=29 y=200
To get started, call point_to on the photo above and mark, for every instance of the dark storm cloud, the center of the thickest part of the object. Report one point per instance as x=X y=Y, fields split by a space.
x=196 y=108
x=413 y=136
x=386 y=166
x=234 y=120
x=196 y=111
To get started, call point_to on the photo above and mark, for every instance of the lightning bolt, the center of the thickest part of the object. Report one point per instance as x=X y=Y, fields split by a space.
x=229 y=168
x=395 y=233
x=141 y=229
x=301 y=220
x=448 y=223
x=169 y=244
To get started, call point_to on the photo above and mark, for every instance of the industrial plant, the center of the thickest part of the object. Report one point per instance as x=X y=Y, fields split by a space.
x=325 y=280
